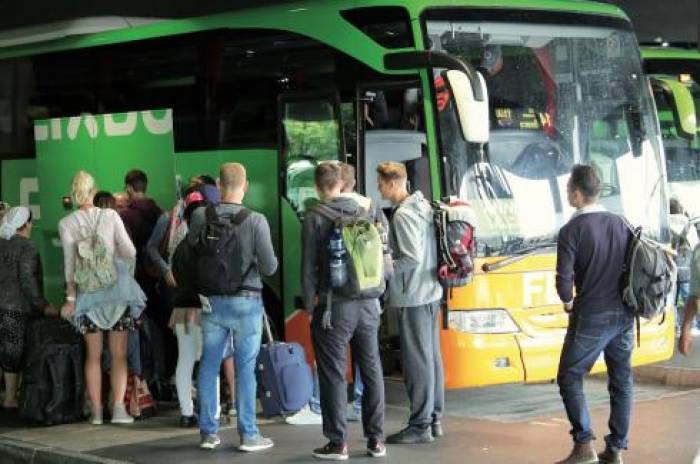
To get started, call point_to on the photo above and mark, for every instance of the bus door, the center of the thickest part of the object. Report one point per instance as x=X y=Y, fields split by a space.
x=392 y=128
x=309 y=133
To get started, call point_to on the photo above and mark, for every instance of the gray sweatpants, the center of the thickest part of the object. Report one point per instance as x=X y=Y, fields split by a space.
x=357 y=323
x=422 y=362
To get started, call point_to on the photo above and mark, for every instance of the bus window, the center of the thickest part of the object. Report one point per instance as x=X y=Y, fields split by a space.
x=311 y=135
x=394 y=131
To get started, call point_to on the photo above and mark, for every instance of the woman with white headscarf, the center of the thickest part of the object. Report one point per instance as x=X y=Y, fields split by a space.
x=21 y=295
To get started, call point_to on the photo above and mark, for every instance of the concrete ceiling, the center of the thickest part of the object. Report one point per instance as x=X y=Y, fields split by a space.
x=672 y=20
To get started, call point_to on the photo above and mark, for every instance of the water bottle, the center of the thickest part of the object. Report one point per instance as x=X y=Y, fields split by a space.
x=388 y=259
x=338 y=260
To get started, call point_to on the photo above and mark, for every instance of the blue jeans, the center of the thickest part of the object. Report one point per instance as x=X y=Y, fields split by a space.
x=610 y=332
x=240 y=317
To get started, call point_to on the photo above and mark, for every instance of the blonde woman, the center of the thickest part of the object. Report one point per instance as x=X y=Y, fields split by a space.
x=112 y=308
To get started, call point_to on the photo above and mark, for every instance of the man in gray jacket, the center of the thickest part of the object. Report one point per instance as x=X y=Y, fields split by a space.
x=415 y=293
x=237 y=312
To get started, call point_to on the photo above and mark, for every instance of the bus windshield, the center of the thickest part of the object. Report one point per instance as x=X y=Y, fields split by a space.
x=559 y=95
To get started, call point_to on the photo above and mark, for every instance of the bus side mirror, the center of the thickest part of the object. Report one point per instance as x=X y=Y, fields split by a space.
x=682 y=105
x=473 y=114
x=684 y=111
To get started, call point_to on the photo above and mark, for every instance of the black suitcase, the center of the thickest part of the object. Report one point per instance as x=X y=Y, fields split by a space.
x=52 y=390
x=285 y=383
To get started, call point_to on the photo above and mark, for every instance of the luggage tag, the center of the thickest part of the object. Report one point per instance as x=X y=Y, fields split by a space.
x=206 y=304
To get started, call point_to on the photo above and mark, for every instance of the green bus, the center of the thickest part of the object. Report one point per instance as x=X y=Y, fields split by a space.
x=491 y=101
x=675 y=74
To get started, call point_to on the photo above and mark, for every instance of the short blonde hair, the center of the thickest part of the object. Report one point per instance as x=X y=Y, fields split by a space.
x=232 y=176
x=391 y=170
x=347 y=171
x=83 y=188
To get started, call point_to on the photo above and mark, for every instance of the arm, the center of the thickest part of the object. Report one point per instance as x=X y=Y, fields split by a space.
x=264 y=252
x=309 y=263
x=407 y=252
x=30 y=278
x=123 y=246
x=685 y=344
x=154 y=242
x=566 y=257
x=69 y=266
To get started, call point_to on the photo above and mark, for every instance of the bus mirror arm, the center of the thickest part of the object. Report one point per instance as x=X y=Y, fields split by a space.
x=401 y=61
x=465 y=84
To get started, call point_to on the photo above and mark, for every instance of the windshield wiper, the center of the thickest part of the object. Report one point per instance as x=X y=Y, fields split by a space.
x=517 y=257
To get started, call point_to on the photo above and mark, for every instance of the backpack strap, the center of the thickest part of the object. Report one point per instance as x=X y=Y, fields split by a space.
x=240 y=216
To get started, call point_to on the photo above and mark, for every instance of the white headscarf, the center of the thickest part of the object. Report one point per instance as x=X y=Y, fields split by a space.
x=14 y=219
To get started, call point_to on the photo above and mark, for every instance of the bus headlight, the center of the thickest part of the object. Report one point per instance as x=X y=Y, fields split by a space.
x=483 y=321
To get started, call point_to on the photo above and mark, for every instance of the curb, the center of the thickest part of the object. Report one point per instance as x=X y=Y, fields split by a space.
x=19 y=452
x=669 y=375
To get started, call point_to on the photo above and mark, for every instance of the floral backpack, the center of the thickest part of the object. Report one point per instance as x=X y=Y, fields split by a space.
x=94 y=263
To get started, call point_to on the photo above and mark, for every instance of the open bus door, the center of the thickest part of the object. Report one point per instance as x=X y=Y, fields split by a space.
x=310 y=132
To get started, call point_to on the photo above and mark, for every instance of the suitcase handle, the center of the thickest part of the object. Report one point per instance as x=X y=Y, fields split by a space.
x=266 y=327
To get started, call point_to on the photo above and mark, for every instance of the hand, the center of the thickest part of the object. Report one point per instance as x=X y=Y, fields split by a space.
x=170 y=279
x=68 y=309
x=685 y=343
x=568 y=307
x=50 y=311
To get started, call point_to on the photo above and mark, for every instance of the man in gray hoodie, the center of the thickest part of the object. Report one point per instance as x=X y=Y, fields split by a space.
x=415 y=293
x=337 y=321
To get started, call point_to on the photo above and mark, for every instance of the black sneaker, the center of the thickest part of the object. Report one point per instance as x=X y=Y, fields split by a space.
x=436 y=429
x=188 y=421
x=411 y=435
x=376 y=448
x=332 y=452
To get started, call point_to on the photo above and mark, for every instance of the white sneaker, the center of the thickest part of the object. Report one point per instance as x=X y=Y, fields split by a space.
x=120 y=416
x=305 y=416
x=96 y=417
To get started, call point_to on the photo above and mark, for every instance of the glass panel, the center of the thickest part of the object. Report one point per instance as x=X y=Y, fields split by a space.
x=311 y=136
x=559 y=95
x=394 y=131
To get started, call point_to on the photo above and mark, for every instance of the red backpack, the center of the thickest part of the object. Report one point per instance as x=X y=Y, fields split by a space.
x=454 y=229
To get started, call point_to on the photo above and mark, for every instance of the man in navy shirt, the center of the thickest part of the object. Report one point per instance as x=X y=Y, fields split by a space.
x=591 y=251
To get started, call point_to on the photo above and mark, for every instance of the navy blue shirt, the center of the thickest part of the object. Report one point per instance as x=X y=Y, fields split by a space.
x=591 y=253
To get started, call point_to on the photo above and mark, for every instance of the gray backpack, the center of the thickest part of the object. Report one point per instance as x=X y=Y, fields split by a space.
x=648 y=277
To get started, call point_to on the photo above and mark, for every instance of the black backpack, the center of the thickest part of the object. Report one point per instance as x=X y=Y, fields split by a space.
x=219 y=266
x=52 y=380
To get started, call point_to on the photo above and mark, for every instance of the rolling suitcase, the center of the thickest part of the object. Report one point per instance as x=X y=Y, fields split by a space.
x=285 y=383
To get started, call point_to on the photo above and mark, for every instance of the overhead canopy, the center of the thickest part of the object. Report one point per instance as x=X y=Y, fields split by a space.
x=673 y=21
x=12 y=15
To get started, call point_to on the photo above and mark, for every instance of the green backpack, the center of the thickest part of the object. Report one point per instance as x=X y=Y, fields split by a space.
x=364 y=254
x=94 y=263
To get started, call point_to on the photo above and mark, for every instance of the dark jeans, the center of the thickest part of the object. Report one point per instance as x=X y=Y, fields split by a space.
x=610 y=332
x=355 y=322
x=421 y=361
